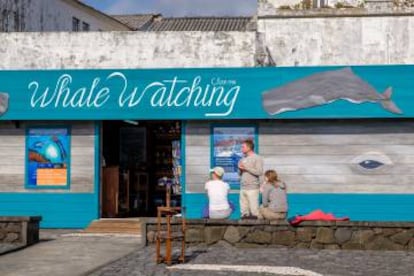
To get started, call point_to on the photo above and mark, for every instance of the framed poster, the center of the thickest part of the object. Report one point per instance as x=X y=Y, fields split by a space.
x=47 y=157
x=226 y=150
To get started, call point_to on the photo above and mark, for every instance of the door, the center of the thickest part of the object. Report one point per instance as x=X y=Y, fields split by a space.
x=110 y=191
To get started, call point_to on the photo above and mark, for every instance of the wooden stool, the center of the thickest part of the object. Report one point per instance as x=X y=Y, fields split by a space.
x=168 y=236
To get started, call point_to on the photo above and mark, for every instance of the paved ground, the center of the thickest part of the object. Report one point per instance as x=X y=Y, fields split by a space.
x=67 y=253
x=64 y=253
x=312 y=262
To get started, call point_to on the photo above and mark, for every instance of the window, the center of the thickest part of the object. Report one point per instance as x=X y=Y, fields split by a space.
x=75 y=24
x=1 y=21
x=85 y=27
x=5 y=21
x=16 y=22
x=319 y=3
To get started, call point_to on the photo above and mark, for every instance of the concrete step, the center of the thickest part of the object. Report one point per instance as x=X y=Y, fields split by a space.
x=119 y=226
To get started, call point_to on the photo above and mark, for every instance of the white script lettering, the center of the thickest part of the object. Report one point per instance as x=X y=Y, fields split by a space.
x=215 y=97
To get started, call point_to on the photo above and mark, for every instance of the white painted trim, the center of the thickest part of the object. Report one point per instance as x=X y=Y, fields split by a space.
x=277 y=270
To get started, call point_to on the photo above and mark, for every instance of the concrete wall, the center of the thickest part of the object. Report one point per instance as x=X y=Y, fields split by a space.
x=267 y=7
x=52 y=15
x=297 y=39
x=292 y=38
x=270 y=6
x=332 y=235
x=126 y=50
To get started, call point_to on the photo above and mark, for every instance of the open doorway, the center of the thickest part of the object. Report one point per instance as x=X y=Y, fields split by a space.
x=140 y=159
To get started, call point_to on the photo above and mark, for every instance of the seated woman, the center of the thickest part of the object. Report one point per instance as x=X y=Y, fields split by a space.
x=274 y=197
x=217 y=191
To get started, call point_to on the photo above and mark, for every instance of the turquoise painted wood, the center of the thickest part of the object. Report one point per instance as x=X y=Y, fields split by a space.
x=65 y=210
x=183 y=162
x=58 y=210
x=97 y=172
x=206 y=93
x=359 y=207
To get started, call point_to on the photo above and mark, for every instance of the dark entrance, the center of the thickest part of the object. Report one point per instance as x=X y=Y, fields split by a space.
x=139 y=159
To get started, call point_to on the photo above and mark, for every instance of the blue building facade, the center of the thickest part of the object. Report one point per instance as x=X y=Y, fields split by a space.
x=340 y=136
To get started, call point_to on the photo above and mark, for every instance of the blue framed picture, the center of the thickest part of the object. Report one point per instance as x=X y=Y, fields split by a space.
x=48 y=157
x=226 y=150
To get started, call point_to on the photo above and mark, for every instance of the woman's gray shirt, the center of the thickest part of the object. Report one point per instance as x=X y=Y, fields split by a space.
x=275 y=197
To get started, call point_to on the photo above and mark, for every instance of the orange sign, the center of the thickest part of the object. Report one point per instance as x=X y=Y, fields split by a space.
x=52 y=177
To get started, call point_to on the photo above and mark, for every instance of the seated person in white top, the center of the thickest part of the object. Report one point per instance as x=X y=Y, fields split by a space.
x=217 y=192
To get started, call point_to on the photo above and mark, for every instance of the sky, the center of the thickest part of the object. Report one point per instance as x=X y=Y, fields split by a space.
x=177 y=8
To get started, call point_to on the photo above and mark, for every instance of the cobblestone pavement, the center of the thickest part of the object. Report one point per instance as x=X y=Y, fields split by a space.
x=324 y=262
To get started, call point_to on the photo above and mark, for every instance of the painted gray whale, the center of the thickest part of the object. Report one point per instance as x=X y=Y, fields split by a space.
x=4 y=103
x=324 y=88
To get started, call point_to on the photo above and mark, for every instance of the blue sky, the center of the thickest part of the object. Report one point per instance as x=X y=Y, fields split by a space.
x=177 y=7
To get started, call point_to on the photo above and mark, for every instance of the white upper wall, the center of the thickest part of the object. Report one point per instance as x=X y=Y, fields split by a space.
x=271 y=7
x=292 y=38
x=126 y=50
x=268 y=6
x=52 y=15
x=359 y=40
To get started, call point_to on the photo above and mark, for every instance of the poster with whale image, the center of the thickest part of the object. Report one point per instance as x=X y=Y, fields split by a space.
x=47 y=157
x=226 y=150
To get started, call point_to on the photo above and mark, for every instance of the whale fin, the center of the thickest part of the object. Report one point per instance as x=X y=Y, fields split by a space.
x=4 y=102
x=388 y=93
x=388 y=104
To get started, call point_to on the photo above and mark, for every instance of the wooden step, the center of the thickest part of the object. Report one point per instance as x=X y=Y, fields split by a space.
x=118 y=226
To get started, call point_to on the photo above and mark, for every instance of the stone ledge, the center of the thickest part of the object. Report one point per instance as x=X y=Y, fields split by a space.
x=387 y=224
x=361 y=235
x=18 y=232
x=333 y=12
x=376 y=224
x=18 y=219
x=219 y=221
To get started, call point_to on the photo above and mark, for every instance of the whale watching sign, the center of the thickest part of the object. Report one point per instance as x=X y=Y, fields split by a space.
x=209 y=93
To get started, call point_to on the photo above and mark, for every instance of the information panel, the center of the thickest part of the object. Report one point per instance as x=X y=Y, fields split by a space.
x=227 y=152
x=47 y=157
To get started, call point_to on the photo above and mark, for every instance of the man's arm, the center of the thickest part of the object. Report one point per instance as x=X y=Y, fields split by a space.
x=256 y=168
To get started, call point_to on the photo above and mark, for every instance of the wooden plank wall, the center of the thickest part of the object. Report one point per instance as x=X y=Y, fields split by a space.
x=324 y=156
x=197 y=152
x=12 y=155
x=321 y=156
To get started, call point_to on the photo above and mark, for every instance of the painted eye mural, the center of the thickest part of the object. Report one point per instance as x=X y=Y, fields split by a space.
x=371 y=162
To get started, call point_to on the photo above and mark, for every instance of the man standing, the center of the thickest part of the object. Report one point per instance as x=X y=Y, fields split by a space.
x=251 y=168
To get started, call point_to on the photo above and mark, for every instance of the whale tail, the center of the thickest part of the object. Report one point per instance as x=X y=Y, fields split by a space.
x=388 y=104
x=4 y=102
